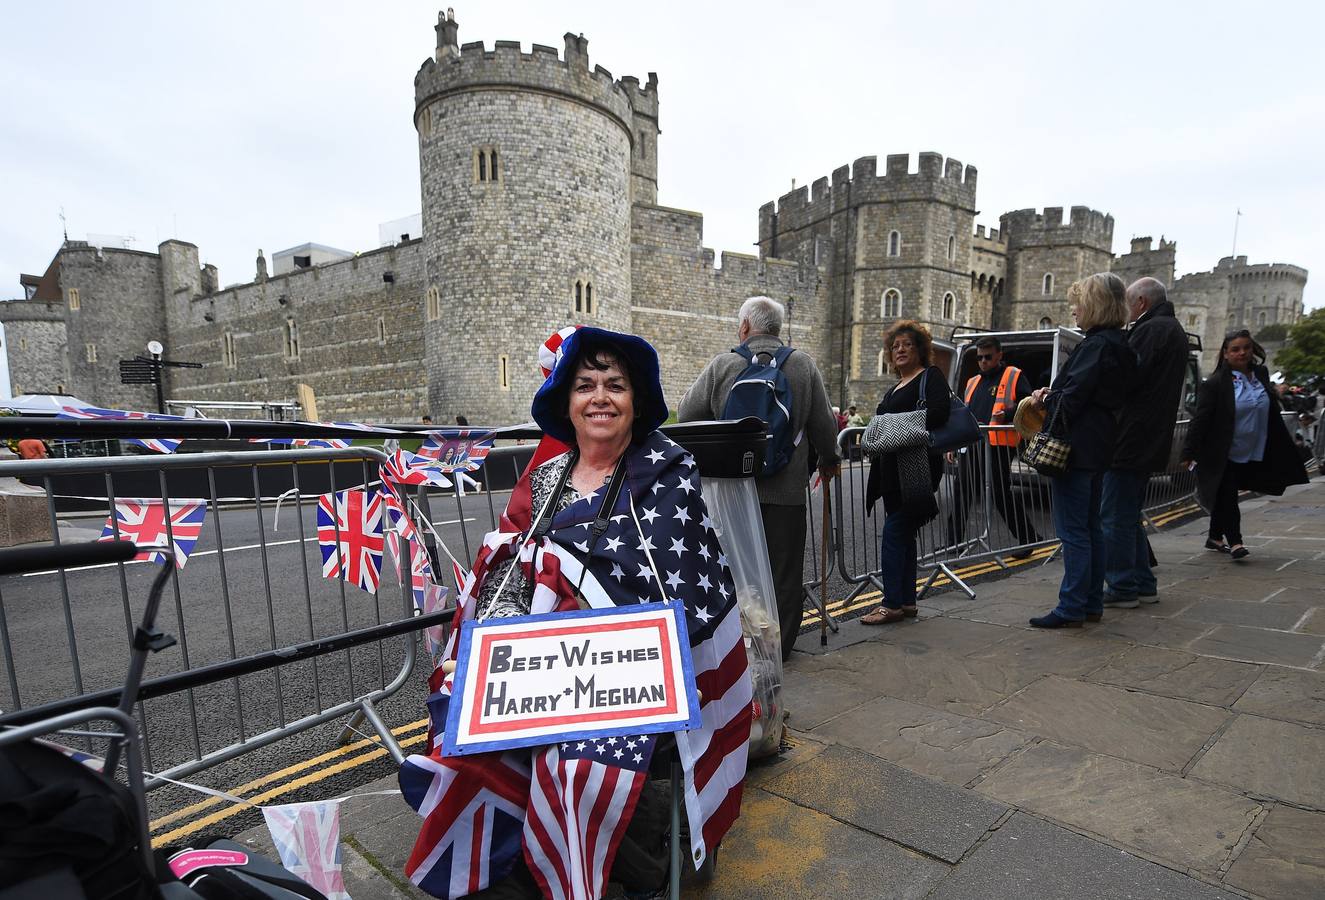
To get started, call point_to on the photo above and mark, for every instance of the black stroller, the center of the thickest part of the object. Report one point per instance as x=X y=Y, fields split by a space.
x=68 y=831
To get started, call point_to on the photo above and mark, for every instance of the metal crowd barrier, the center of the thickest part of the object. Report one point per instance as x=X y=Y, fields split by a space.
x=267 y=647
x=992 y=508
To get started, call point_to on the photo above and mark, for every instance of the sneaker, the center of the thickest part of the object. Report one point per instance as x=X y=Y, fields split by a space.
x=1112 y=602
x=1148 y=598
x=1053 y=620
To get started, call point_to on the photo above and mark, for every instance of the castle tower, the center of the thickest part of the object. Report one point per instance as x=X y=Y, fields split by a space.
x=1263 y=294
x=898 y=244
x=1045 y=255
x=526 y=166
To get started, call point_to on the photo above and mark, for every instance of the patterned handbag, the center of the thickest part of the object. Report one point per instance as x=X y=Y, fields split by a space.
x=1046 y=453
x=890 y=432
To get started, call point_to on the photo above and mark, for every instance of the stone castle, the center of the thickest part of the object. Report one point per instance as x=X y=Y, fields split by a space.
x=539 y=190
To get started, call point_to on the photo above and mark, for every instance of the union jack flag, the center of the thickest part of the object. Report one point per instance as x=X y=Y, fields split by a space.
x=570 y=853
x=307 y=838
x=157 y=445
x=349 y=533
x=398 y=525
x=150 y=523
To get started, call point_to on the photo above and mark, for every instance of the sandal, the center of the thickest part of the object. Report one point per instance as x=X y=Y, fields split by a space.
x=883 y=616
x=1239 y=552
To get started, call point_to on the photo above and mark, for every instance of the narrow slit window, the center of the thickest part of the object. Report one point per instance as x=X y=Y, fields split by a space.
x=579 y=296
x=895 y=243
x=494 y=171
x=433 y=305
x=588 y=298
x=482 y=166
x=952 y=247
x=228 y=356
x=381 y=329
x=1048 y=287
x=90 y=351
x=883 y=363
x=75 y=302
x=949 y=305
x=291 y=339
x=503 y=372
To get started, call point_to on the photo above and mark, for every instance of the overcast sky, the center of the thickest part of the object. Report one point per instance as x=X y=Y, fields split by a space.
x=246 y=125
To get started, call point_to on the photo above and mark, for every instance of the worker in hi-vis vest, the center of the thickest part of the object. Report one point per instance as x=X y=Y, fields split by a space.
x=992 y=396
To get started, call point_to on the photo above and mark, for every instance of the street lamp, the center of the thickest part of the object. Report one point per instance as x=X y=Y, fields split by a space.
x=155 y=348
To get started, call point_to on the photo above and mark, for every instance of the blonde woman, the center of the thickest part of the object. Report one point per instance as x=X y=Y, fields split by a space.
x=1083 y=403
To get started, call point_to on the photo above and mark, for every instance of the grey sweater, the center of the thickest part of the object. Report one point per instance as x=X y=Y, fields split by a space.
x=811 y=415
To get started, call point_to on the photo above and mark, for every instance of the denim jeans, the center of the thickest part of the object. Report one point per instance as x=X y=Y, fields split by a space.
x=1077 y=521
x=1127 y=553
x=897 y=558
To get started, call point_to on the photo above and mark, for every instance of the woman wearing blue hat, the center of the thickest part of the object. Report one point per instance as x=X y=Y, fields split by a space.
x=610 y=516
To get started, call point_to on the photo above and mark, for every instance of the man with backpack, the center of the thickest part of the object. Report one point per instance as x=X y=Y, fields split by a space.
x=764 y=378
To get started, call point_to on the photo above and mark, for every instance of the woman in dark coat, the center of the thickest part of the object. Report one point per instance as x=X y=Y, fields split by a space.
x=1238 y=440
x=907 y=479
x=1082 y=404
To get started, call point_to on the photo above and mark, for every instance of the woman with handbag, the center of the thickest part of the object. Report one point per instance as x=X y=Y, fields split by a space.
x=907 y=475
x=1081 y=408
x=1238 y=440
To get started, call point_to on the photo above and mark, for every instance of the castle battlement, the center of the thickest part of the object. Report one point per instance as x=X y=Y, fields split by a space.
x=1027 y=227
x=993 y=237
x=935 y=180
x=471 y=66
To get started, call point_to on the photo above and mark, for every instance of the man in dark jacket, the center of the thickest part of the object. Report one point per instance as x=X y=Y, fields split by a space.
x=1145 y=433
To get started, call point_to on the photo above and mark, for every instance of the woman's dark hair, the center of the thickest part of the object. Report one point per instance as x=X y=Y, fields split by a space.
x=1257 y=351
x=597 y=356
x=919 y=335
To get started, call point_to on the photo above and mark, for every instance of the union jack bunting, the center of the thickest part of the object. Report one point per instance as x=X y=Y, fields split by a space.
x=398 y=525
x=457 y=450
x=157 y=445
x=571 y=853
x=349 y=533
x=145 y=523
x=307 y=838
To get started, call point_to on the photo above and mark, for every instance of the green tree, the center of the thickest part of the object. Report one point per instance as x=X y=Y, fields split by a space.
x=1303 y=359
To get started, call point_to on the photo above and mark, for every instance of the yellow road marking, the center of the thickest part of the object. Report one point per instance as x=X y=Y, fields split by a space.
x=233 y=809
x=187 y=811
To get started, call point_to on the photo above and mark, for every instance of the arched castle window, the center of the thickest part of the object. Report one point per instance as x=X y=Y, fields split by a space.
x=882 y=368
x=432 y=305
x=90 y=351
x=1046 y=323
x=949 y=305
x=425 y=122
x=74 y=301
x=291 y=339
x=228 y=357
x=584 y=297
x=952 y=247
x=1260 y=319
x=894 y=243
x=504 y=372
x=487 y=168
x=890 y=307
x=1048 y=284
x=1193 y=320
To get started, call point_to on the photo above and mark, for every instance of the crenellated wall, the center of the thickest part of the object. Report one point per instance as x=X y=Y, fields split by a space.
x=1041 y=244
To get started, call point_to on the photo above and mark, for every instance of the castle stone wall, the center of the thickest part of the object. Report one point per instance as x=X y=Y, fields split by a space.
x=1200 y=302
x=1144 y=260
x=989 y=269
x=1040 y=244
x=35 y=342
x=687 y=308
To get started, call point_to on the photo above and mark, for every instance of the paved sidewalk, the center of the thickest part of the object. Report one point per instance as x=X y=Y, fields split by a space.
x=1176 y=750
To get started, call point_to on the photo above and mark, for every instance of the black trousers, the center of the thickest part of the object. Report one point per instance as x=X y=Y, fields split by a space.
x=971 y=485
x=1226 y=518
x=784 y=533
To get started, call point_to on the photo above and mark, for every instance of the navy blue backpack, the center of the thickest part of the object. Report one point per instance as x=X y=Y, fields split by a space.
x=762 y=391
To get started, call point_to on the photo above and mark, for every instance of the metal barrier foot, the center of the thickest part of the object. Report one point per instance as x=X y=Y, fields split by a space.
x=369 y=712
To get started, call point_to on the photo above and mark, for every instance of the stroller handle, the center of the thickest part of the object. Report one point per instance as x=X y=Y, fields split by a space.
x=17 y=560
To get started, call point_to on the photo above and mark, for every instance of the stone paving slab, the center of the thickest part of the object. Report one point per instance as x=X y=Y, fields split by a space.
x=953 y=636
x=1139 y=626
x=1258 y=645
x=813 y=700
x=1028 y=858
x=1286 y=694
x=1281 y=616
x=887 y=800
x=779 y=849
x=1048 y=653
x=926 y=741
x=1285 y=858
x=1144 y=728
x=1159 y=814
x=1269 y=758
x=1174 y=673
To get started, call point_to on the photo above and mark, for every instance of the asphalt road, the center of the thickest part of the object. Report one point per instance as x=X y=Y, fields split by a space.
x=272 y=595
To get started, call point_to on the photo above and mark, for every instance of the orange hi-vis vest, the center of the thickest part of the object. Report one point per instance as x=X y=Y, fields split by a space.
x=1006 y=385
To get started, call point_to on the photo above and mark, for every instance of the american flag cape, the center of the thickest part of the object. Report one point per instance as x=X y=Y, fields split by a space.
x=147 y=522
x=577 y=802
x=307 y=839
x=157 y=445
x=349 y=534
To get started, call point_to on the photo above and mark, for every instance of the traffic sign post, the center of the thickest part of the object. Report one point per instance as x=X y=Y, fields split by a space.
x=142 y=370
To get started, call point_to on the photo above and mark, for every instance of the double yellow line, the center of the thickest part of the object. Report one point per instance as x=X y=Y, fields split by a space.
x=309 y=771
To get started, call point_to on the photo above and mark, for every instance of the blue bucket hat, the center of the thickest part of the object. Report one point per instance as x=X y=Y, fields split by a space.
x=550 y=403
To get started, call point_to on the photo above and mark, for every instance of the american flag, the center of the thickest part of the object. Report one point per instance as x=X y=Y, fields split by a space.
x=158 y=445
x=151 y=523
x=349 y=533
x=307 y=838
x=675 y=530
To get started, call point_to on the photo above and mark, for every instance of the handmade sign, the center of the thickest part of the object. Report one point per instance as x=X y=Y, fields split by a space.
x=567 y=676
